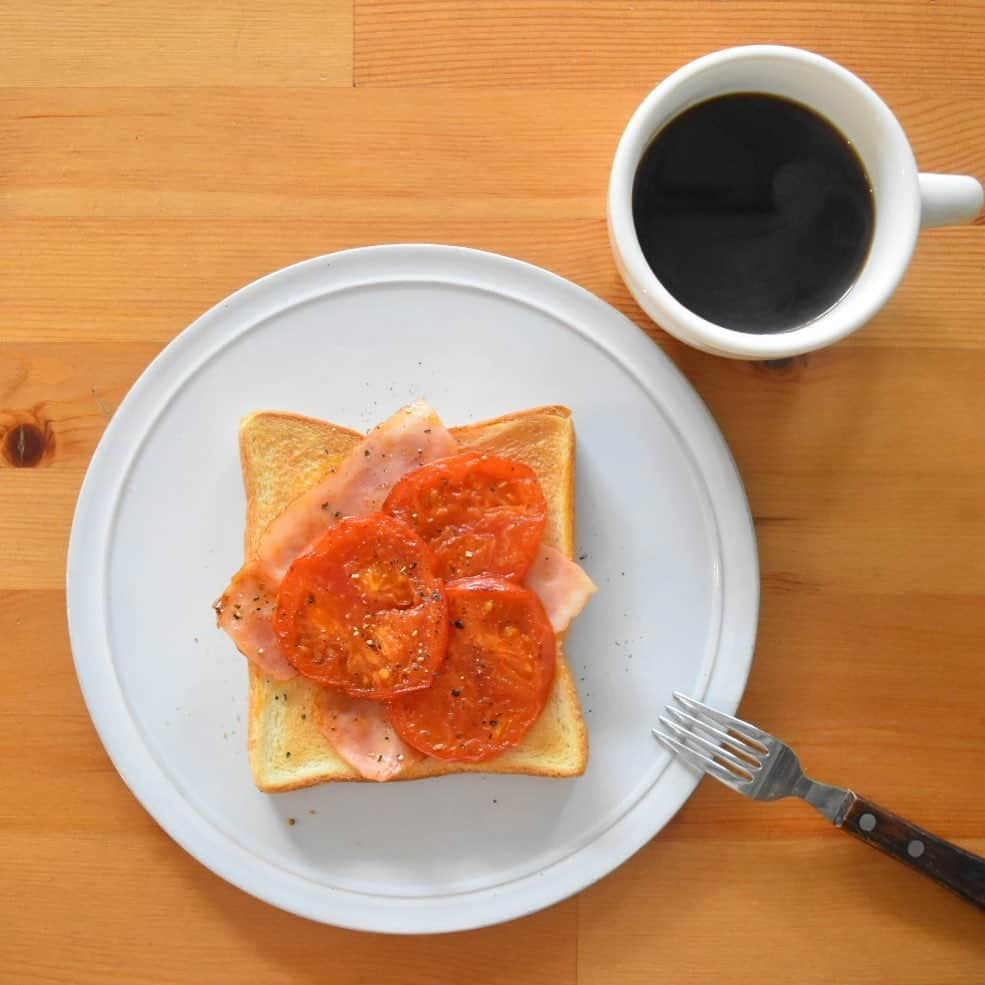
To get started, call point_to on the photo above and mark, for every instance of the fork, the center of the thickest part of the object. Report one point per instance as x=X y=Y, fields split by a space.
x=759 y=765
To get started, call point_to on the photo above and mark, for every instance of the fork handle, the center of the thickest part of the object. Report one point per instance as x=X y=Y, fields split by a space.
x=953 y=867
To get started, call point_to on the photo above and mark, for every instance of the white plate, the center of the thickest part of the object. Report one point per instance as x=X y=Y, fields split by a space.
x=663 y=524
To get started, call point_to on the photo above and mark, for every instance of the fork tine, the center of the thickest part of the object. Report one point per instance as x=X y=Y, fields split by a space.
x=745 y=770
x=692 y=724
x=749 y=733
x=699 y=761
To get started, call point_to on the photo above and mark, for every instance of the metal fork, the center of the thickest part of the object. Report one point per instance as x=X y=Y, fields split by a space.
x=759 y=765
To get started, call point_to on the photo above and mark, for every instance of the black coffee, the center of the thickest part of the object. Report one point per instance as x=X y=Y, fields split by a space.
x=753 y=211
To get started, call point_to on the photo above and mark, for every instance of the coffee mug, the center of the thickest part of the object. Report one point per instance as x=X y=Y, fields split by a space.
x=904 y=201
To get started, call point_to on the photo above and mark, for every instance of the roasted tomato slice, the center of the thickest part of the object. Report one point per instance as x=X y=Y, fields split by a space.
x=364 y=610
x=494 y=682
x=481 y=515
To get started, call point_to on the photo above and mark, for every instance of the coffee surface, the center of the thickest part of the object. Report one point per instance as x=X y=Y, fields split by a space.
x=753 y=211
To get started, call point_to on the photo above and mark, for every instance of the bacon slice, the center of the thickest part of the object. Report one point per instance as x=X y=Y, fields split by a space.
x=562 y=586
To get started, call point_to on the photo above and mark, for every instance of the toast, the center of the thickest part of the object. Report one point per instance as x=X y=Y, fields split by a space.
x=284 y=454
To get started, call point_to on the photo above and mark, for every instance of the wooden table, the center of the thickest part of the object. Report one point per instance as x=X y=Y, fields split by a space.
x=153 y=157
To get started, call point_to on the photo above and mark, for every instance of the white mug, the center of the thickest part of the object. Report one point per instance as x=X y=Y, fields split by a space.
x=904 y=200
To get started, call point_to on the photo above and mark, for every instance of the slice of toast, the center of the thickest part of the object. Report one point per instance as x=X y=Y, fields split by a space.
x=283 y=455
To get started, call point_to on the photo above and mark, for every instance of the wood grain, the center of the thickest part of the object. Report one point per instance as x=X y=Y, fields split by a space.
x=178 y=268
x=351 y=153
x=698 y=912
x=585 y=44
x=182 y=43
x=155 y=157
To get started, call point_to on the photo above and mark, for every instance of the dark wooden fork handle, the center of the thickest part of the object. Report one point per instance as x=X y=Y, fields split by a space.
x=953 y=867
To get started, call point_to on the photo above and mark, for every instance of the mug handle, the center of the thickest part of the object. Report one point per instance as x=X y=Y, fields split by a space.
x=949 y=199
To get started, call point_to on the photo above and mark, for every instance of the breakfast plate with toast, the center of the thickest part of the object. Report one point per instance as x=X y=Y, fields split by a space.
x=617 y=485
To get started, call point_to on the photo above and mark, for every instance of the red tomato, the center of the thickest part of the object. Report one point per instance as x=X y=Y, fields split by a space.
x=478 y=513
x=495 y=680
x=365 y=610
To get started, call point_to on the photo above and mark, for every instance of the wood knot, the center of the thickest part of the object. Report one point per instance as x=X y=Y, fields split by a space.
x=26 y=440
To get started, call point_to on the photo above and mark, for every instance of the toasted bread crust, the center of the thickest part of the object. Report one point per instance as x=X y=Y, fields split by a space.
x=284 y=454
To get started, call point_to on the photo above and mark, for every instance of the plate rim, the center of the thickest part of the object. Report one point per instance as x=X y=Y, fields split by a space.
x=403 y=914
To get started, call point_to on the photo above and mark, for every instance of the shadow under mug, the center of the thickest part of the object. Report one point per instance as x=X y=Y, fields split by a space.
x=905 y=201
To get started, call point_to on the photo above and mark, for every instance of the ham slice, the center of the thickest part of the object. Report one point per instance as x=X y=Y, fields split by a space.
x=413 y=437
x=562 y=586
x=246 y=613
x=410 y=438
x=360 y=732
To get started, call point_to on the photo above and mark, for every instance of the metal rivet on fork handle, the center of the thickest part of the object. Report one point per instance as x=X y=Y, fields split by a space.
x=867 y=822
